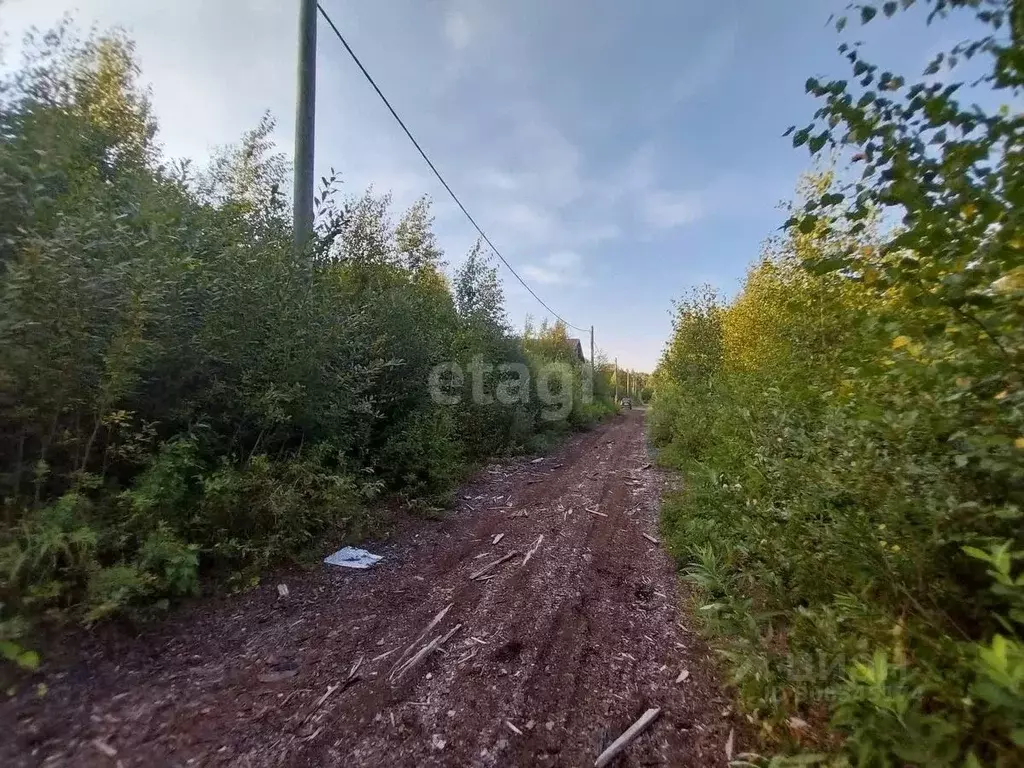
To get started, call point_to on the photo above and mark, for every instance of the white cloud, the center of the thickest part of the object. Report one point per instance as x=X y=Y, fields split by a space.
x=559 y=268
x=522 y=221
x=457 y=30
x=499 y=180
x=564 y=260
x=712 y=59
x=669 y=210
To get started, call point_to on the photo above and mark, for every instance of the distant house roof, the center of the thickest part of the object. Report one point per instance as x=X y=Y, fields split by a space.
x=578 y=347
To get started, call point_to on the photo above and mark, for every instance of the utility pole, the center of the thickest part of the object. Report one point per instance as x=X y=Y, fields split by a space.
x=616 y=380
x=593 y=363
x=305 y=121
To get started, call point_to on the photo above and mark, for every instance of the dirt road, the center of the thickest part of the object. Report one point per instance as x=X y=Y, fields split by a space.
x=551 y=659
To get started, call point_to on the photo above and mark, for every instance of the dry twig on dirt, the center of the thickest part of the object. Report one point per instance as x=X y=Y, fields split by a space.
x=105 y=748
x=319 y=703
x=433 y=623
x=496 y=563
x=540 y=540
x=651 y=539
x=606 y=757
x=355 y=668
x=384 y=655
x=425 y=651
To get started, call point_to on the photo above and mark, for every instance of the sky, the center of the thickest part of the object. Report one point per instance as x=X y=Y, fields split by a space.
x=617 y=152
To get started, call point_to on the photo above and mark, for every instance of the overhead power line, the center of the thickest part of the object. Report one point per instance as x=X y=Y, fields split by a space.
x=437 y=173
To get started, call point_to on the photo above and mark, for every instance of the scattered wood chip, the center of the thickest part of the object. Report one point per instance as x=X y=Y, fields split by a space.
x=595 y=512
x=282 y=590
x=540 y=540
x=521 y=513
x=617 y=746
x=496 y=563
x=512 y=728
x=729 y=744
x=497 y=537
x=683 y=676
x=651 y=538
x=537 y=461
x=105 y=748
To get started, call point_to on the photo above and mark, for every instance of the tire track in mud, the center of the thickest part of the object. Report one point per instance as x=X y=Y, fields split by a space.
x=568 y=649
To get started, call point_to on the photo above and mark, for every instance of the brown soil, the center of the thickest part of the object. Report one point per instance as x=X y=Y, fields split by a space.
x=553 y=659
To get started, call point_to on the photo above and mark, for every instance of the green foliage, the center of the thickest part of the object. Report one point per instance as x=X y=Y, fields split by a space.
x=114 y=589
x=852 y=431
x=183 y=393
x=175 y=564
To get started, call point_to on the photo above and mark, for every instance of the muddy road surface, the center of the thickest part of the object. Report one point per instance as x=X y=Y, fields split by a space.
x=539 y=661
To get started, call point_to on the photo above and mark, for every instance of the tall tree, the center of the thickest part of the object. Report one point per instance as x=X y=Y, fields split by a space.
x=478 y=293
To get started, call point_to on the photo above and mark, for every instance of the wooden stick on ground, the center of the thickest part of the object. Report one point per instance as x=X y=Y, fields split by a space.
x=434 y=622
x=651 y=539
x=355 y=668
x=383 y=656
x=498 y=562
x=595 y=512
x=497 y=537
x=540 y=540
x=606 y=757
x=319 y=703
x=425 y=651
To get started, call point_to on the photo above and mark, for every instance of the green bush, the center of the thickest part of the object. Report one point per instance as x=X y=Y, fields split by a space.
x=184 y=393
x=852 y=433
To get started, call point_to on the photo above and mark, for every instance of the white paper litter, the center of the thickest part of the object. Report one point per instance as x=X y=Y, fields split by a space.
x=350 y=557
